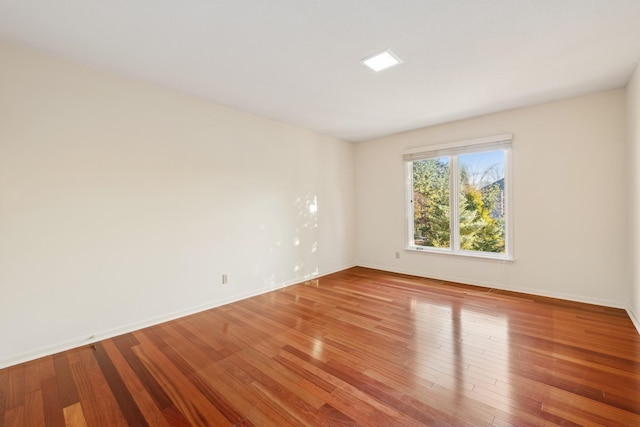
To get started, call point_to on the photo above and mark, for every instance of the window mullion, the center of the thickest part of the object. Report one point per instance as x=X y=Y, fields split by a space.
x=410 y=196
x=454 y=203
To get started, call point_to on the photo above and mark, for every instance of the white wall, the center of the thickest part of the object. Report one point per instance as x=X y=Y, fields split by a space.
x=122 y=204
x=633 y=114
x=570 y=201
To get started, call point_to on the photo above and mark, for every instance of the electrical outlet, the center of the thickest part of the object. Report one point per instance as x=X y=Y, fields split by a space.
x=224 y=279
x=397 y=254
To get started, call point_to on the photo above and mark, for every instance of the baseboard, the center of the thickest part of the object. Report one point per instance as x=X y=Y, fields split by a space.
x=501 y=286
x=634 y=318
x=82 y=341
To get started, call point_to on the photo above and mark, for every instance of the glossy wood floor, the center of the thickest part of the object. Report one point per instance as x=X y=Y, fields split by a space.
x=359 y=347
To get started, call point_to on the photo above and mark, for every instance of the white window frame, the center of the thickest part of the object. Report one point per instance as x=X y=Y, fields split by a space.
x=453 y=150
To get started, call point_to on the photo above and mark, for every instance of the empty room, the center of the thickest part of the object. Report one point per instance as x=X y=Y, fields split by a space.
x=320 y=213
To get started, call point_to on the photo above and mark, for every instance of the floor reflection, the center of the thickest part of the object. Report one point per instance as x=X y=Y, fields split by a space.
x=463 y=349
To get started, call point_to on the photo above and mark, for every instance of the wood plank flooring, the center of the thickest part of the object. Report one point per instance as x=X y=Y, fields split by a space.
x=359 y=347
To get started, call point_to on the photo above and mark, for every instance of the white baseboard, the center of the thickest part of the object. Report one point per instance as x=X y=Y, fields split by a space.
x=634 y=318
x=81 y=341
x=558 y=295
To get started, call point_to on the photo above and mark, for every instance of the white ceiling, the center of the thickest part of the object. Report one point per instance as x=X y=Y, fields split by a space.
x=297 y=61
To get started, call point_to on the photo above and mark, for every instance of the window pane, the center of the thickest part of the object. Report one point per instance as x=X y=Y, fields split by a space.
x=431 y=224
x=482 y=201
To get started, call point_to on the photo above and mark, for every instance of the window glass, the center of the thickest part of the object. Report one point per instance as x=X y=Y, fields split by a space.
x=481 y=212
x=431 y=211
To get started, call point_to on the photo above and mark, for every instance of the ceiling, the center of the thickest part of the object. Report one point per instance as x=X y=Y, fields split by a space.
x=298 y=61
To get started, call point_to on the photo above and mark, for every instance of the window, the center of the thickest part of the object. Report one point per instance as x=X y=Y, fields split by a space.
x=459 y=197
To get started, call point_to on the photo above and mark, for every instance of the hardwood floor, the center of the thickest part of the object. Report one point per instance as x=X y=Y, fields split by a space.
x=359 y=347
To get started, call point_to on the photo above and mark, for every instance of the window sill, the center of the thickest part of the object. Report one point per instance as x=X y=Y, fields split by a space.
x=461 y=254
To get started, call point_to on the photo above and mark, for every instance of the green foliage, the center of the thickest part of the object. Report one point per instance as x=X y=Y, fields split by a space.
x=480 y=230
x=431 y=203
